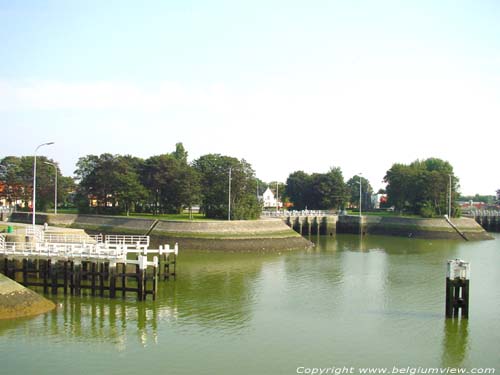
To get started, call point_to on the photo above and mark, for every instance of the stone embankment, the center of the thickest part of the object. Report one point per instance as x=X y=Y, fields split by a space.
x=16 y=301
x=251 y=235
x=426 y=228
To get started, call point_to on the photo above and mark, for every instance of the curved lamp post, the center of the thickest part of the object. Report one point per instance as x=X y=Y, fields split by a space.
x=34 y=181
x=55 y=186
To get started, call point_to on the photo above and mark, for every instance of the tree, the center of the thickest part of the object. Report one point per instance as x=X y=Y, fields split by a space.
x=214 y=176
x=16 y=174
x=421 y=187
x=298 y=189
x=319 y=191
x=171 y=182
x=110 y=182
x=353 y=191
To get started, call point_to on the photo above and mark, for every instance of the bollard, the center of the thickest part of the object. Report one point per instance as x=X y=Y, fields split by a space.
x=457 y=288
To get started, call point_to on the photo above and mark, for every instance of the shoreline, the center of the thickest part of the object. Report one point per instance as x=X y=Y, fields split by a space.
x=269 y=234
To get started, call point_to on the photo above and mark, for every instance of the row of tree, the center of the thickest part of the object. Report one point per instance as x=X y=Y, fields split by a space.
x=168 y=183
x=16 y=182
x=424 y=187
x=325 y=191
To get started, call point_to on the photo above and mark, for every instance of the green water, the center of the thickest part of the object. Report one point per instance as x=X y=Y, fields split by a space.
x=371 y=302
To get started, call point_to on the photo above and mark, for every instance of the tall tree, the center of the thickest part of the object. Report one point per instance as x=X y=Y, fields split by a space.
x=16 y=174
x=421 y=187
x=353 y=191
x=214 y=172
x=298 y=189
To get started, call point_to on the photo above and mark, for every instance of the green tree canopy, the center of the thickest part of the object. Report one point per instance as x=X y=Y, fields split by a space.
x=16 y=173
x=319 y=191
x=421 y=187
x=214 y=176
x=353 y=191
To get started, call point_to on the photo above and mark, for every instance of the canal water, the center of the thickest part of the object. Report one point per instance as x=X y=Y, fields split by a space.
x=350 y=303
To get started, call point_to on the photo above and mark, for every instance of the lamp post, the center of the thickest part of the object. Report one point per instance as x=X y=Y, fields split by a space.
x=449 y=198
x=55 y=186
x=360 y=194
x=229 y=199
x=34 y=181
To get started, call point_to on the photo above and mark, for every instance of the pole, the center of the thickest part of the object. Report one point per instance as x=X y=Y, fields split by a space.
x=449 y=199
x=55 y=187
x=277 y=197
x=360 y=194
x=229 y=200
x=34 y=182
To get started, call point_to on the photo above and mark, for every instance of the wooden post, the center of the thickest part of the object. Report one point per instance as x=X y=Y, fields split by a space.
x=141 y=295
x=112 y=279
x=102 y=273
x=77 y=277
x=45 y=276
x=25 y=271
x=457 y=288
x=155 y=277
x=92 y=278
x=53 y=277
x=124 y=279
x=65 y=276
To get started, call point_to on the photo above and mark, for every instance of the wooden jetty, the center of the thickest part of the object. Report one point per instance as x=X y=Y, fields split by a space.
x=103 y=264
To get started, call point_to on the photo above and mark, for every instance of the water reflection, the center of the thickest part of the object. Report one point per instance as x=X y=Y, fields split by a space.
x=102 y=320
x=455 y=342
x=216 y=291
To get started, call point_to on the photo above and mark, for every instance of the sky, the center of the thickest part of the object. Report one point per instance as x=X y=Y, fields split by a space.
x=286 y=85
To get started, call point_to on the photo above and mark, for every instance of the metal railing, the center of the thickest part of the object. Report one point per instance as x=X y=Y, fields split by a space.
x=112 y=239
x=68 y=238
x=296 y=213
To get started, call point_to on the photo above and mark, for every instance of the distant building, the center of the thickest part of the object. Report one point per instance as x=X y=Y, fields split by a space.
x=378 y=199
x=269 y=200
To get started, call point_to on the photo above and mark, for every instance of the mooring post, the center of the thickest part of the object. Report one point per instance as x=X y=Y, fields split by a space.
x=46 y=272
x=155 y=276
x=65 y=277
x=112 y=279
x=140 y=277
x=457 y=288
x=25 y=271
x=77 y=277
x=53 y=277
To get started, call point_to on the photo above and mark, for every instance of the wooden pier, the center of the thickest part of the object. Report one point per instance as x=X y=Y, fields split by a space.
x=104 y=265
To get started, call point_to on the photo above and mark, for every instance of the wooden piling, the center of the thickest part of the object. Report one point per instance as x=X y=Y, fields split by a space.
x=457 y=289
x=112 y=280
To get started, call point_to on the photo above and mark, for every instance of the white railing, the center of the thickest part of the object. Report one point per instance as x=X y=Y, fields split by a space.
x=296 y=213
x=142 y=241
x=59 y=251
x=481 y=212
x=68 y=238
x=36 y=232
x=81 y=251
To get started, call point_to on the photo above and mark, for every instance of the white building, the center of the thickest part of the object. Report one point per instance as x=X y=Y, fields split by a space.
x=269 y=200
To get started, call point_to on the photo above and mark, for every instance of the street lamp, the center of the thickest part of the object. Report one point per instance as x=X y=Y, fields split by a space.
x=449 y=199
x=34 y=181
x=229 y=199
x=55 y=186
x=360 y=194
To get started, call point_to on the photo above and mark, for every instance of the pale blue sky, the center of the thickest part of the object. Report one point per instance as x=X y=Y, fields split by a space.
x=287 y=85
